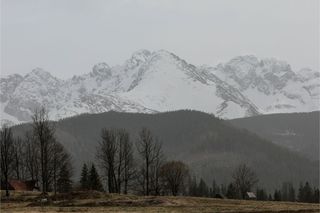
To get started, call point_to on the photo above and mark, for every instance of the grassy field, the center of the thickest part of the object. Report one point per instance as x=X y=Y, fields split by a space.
x=103 y=202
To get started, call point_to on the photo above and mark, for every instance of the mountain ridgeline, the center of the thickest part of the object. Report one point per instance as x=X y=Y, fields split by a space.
x=210 y=146
x=161 y=81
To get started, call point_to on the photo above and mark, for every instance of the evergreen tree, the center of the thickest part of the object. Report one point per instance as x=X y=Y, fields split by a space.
x=94 y=179
x=215 y=188
x=305 y=193
x=64 y=179
x=84 y=181
x=203 y=190
x=287 y=192
x=292 y=194
x=262 y=195
x=193 y=187
x=316 y=196
x=308 y=193
x=223 y=189
x=231 y=191
x=277 y=195
x=301 y=193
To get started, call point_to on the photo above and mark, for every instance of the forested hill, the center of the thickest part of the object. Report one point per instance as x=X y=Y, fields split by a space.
x=296 y=131
x=212 y=147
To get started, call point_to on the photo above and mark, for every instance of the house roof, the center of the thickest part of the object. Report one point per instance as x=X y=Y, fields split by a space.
x=251 y=195
x=22 y=185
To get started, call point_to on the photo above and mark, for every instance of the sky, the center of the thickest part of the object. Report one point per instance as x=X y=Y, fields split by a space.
x=67 y=37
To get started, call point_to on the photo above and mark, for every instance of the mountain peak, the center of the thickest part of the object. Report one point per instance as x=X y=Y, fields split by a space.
x=40 y=73
x=101 y=69
x=245 y=59
x=138 y=58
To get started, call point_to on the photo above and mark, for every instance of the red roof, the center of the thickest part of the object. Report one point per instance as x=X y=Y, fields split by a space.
x=22 y=185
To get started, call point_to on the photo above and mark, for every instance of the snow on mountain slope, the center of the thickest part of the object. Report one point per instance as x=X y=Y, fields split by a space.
x=161 y=81
x=271 y=84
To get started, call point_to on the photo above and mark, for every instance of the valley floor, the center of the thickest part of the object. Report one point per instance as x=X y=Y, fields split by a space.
x=103 y=202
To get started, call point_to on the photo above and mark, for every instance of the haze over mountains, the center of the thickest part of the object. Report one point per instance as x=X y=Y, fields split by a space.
x=161 y=81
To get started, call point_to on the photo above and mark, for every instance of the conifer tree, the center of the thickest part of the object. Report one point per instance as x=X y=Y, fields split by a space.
x=94 y=179
x=231 y=191
x=261 y=194
x=84 y=181
x=203 y=189
x=316 y=196
x=277 y=195
x=193 y=186
x=305 y=193
x=308 y=193
x=64 y=180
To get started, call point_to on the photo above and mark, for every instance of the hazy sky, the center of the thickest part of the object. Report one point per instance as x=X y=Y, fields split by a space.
x=67 y=37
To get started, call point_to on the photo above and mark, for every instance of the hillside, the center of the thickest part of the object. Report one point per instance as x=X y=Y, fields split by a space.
x=161 y=81
x=211 y=146
x=296 y=131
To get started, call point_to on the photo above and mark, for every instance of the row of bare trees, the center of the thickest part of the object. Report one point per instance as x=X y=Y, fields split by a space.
x=147 y=174
x=38 y=156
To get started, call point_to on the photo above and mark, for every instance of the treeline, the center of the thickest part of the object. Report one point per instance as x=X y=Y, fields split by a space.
x=123 y=165
x=287 y=192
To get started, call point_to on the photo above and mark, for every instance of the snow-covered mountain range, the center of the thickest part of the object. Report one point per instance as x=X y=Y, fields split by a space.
x=161 y=81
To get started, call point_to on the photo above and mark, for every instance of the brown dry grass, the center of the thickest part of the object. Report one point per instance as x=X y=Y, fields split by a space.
x=103 y=202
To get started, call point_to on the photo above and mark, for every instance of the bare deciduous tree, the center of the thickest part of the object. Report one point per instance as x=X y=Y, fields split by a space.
x=128 y=164
x=106 y=155
x=174 y=175
x=44 y=133
x=115 y=157
x=150 y=151
x=32 y=156
x=7 y=155
x=244 y=179
x=18 y=155
x=60 y=159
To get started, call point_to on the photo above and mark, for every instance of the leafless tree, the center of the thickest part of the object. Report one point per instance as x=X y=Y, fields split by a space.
x=59 y=158
x=128 y=164
x=43 y=131
x=115 y=157
x=150 y=151
x=7 y=155
x=19 y=163
x=32 y=156
x=158 y=160
x=244 y=179
x=174 y=175
x=106 y=155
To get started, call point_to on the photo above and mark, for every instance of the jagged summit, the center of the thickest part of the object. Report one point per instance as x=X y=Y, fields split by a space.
x=161 y=81
x=101 y=69
x=38 y=73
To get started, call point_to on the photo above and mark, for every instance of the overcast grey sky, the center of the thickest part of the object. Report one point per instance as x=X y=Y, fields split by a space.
x=67 y=37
